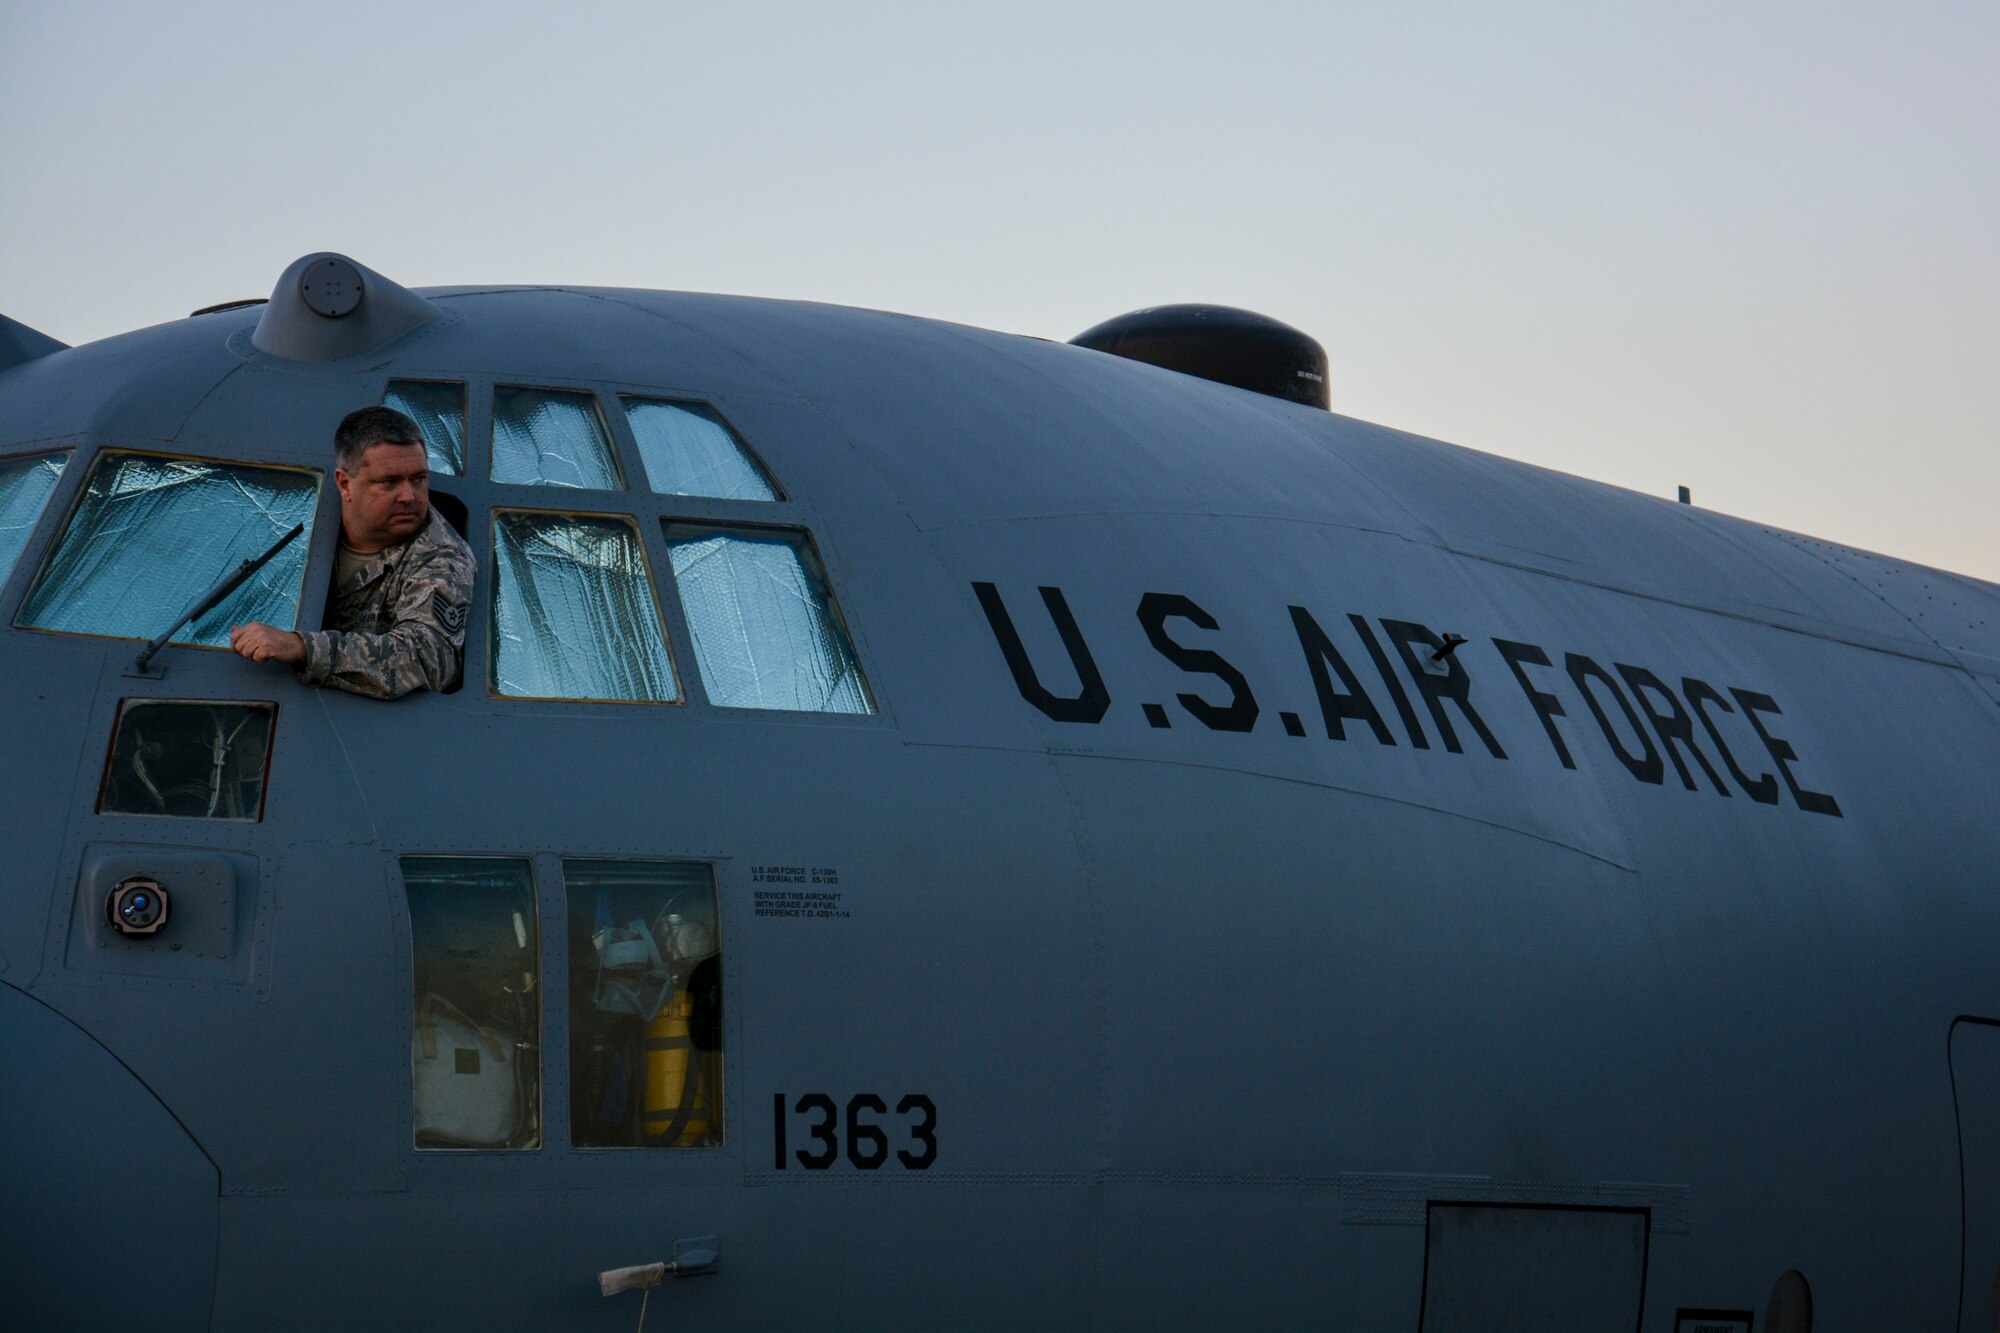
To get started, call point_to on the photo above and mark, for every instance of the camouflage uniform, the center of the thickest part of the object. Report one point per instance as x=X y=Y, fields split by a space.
x=398 y=623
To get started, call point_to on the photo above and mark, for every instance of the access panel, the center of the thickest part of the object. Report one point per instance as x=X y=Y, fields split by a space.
x=1512 y=1268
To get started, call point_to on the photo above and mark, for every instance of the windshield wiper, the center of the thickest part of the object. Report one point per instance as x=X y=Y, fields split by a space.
x=209 y=601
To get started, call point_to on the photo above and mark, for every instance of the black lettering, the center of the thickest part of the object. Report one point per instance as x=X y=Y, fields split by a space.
x=1582 y=671
x=1455 y=684
x=778 y=1125
x=1334 y=705
x=1388 y=674
x=924 y=1132
x=1546 y=706
x=1764 y=789
x=1240 y=713
x=1090 y=703
x=1675 y=728
x=823 y=1131
x=1782 y=754
x=860 y=1132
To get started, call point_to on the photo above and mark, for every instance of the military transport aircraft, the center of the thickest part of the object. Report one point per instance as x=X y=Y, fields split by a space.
x=946 y=829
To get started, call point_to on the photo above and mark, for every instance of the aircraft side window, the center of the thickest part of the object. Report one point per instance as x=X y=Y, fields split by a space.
x=645 y=1004
x=551 y=437
x=150 y=534
x=188 y=760
x=574 y=615
x=688 y=449
x=439 y=411
x=475 y=1036
x=766 y=630
x=25 y=487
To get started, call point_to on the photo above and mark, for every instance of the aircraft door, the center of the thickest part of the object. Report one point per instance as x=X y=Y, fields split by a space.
x=1975 y=1078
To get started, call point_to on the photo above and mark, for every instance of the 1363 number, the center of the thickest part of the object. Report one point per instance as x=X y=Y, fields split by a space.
x=867 y=1141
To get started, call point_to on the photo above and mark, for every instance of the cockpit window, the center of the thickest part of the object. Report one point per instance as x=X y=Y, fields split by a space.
x=188 y=760
x=25 y=487
x=688 y=449
x=547 y=437
x=766 y=631
x=475 y=1044
x=573 y=611
x=152 y=534
x=645 y=1004
x=439 y=411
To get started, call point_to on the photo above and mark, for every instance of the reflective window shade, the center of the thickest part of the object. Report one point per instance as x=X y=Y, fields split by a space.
x=766 y=631
x=549 y=437
x=475 y=1043
x=151 y=535
x=25 y=487
x=688 y=449
x=645 y=1004
x=439 y=411
x=573 y=611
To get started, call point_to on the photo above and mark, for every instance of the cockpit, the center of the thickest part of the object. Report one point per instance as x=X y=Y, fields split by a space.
x=595 y=591
x=632 y=549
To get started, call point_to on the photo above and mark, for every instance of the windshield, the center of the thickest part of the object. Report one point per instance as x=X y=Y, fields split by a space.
x=151 y=535
x=25 y=487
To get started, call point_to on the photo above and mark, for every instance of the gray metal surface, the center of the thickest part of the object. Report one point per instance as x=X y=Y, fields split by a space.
x=1176 y=992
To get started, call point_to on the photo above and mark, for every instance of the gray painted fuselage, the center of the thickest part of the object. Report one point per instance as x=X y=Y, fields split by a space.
x=1207 y=1014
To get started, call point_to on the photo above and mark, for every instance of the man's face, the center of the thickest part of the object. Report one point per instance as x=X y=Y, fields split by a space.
x=386 y=499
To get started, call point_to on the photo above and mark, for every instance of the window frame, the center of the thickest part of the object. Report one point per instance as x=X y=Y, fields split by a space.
x=714 y=866
x=748 y=414
x=465 y=416
x=20 y=580
x=636 y=522
x=312 y=537
x=779 y=495
x=404 y=926
x=127 y=703
x=594 y=395
x=817 y=566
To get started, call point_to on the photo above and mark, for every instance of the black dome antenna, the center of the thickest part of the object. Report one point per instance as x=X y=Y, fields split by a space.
x=1220 y=343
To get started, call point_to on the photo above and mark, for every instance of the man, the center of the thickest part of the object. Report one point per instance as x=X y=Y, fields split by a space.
x=402 y=581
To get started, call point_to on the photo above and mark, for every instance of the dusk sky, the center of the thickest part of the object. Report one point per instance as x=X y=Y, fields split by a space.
x=1751 y=248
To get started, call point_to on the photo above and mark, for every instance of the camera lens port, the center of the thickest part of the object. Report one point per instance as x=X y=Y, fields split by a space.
x=137 y=906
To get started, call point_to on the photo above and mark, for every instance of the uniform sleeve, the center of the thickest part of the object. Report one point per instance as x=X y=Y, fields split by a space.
x=424 y=647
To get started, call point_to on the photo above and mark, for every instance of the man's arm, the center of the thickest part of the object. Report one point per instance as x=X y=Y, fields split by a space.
x=267 y=643
x=423 y=649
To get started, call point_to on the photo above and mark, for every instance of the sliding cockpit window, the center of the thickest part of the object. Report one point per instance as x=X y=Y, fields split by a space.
x=439 y=411
x=574 y=614
x=25 y=487
x=150 y=534
x=476 y=1004
x=645 y=1004
x=766 y=630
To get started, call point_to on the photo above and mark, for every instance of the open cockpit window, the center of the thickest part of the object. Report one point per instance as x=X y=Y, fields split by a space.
x=439 y=411
x=475 y=1042
x=766 y=631
x=645 y=1004
x=574 y=614
x=688 y=449
x=188 y=760
x=25 y=487
x=551 y=437
x=151 y=534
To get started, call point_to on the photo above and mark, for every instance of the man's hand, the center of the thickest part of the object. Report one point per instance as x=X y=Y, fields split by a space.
x=262 y=643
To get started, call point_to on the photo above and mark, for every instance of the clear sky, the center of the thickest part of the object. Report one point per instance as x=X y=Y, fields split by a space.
x=1751 y=247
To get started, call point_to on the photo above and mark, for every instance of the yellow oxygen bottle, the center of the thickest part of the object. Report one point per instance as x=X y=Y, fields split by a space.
x=671 y=1062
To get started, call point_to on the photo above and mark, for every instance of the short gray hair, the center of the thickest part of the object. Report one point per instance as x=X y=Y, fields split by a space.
x=370 y=426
